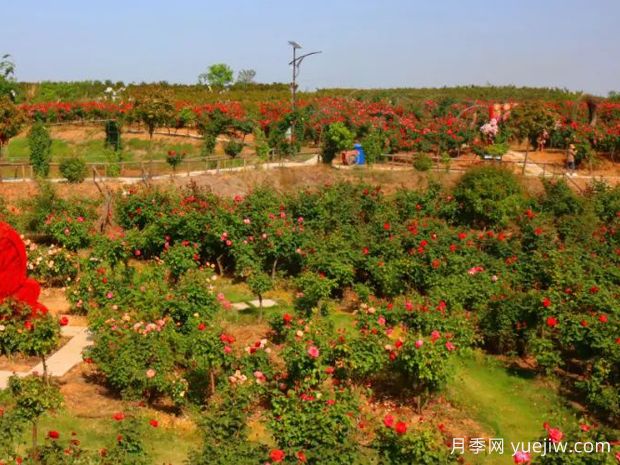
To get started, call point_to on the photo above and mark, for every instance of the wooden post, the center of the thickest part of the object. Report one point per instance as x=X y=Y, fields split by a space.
x=527 y=152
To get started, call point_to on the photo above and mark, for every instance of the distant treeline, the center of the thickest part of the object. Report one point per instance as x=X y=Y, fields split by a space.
x=48 y=91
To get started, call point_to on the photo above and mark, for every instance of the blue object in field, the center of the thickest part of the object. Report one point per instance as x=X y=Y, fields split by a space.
x=361 y=156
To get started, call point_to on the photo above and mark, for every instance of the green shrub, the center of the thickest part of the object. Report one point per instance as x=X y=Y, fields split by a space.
x=374 y=146
x=113 y=135
x=422 y=162
x=336 y=138
x=497 y=149
x=40 y=144
x=232 y=148
x=73 y=169
x=489 y=196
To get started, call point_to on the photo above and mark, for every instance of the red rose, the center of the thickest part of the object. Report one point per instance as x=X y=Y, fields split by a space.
x=401 y=428
x=388 y=421
x=118 y=416
x=552 y=321
x=154 y=423
x=301 y=457
x=603 y=318
x=546 y=302
x=64 y=321
x=277 y=455
x=386 y=226
x=555 y=435
x=202 y=326
x=287 y=318
x=53 y=434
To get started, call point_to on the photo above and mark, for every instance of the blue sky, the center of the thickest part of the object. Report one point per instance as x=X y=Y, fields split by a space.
x=365 y=43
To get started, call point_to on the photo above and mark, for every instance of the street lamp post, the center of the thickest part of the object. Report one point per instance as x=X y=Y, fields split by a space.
x=295 y=63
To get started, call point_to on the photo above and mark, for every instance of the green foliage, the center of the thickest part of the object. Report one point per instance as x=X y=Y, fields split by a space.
x=73 y=169
x=313 y=289
x=113 y=135
x=34 y=395
x=40 y=144
x=261 y=144
x=259 y=283
x=336 y=138
x=27 y=331
x=174 y=158
x=425 y=367
x=419 y=447
x=153 y=110
x=560 y=200
x=422 y=162
x=488 y=196
x=218 y=75
x=317 y=423
x=11 y=121
x=225 y=433
x=374 y=146
x=528 y=121
x=129 y=448
x=181 y=258
x=232 y=148
x=497 y=149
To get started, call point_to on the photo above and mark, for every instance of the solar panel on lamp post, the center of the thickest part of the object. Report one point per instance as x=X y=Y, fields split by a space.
x=295 y=63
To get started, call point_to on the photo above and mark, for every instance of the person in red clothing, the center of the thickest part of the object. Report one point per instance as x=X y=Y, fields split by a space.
x=14 y=283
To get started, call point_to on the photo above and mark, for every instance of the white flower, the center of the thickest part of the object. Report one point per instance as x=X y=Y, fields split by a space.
x=2 y=327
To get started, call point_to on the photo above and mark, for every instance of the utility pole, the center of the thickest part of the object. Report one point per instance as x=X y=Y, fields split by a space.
x=296 y=62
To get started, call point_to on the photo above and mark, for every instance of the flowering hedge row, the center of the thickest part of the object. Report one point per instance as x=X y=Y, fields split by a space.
x=441 y=126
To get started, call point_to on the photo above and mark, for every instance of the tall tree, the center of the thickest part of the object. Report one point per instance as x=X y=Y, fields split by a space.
x=7 y=79
x=246 y=76
x=154 y=110
x=217 y=75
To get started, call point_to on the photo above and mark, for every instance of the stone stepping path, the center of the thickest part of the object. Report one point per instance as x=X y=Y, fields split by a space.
x=266 y=303
x=59 y=363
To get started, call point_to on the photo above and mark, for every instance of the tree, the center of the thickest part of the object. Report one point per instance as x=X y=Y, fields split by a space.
x=154 y=111
x=11 y=121
x=260 y=283
x=34 y=396
x=7 y=80
x=246 y=76
x=218 y=75
x=40 y=144
x=337 y=137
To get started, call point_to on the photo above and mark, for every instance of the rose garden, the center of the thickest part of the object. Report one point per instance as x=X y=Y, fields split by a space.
x=354 y=321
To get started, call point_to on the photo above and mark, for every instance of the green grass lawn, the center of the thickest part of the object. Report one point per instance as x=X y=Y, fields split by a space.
x=506 y=404
x=166 y=445
x=93 y=150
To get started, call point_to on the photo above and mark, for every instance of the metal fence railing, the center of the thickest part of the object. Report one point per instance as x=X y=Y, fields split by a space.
x=144 y=169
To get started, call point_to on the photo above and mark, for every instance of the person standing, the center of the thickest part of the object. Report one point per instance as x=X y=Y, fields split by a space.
x=570 y=159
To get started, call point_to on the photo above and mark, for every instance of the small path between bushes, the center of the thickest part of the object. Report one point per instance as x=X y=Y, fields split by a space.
x=59 y=363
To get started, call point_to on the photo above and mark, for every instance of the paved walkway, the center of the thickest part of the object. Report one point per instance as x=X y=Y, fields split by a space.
x=60 y=362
